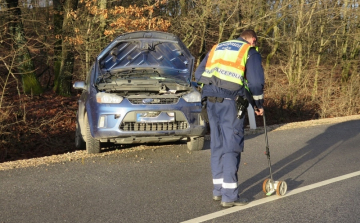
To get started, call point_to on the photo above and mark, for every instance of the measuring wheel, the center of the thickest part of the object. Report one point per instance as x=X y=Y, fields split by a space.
x=281 y=188
x=266 y=186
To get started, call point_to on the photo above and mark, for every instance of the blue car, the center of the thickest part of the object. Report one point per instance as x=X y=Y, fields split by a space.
x=138 y=91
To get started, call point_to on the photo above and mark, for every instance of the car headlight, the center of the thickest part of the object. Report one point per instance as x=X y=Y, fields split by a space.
x=194 y=96
x=105 y=98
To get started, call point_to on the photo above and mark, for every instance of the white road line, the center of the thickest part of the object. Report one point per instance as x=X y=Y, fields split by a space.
x=271 y=198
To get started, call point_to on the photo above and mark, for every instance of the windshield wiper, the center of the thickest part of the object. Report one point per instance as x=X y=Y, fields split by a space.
x=169 y=79
x=145 y=73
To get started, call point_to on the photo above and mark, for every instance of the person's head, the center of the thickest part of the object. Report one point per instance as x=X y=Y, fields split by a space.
x=250 y=36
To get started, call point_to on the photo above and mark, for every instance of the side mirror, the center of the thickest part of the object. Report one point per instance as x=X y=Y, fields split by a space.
x=79 y=85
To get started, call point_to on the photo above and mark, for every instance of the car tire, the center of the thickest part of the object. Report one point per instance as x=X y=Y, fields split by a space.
x=195 y=143
x=79 y=141
x=92 y=145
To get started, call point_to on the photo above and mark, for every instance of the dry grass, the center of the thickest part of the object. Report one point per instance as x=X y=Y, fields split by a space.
x=36 y=126
x=289 y=103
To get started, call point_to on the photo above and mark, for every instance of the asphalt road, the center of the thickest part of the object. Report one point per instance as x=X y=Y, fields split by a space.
x=169 y=184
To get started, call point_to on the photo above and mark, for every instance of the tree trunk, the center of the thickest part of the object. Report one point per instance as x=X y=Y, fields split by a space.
x=345 y=42
x=320 y=52
x=298 y=44
x=236 y=22
x=24 y=61
x=221 y=26
x=102 y=6
x=273 y=49
x=64 y=80
x=183 y=7
x=58 y=23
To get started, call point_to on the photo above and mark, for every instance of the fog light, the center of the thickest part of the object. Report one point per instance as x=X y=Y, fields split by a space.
x=171 y=114
x=102 y=121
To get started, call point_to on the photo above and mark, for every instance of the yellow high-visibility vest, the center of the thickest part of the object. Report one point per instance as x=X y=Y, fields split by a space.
x=225 y=66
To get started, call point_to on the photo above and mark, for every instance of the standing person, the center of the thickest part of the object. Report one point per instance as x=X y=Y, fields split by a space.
x=229 y=72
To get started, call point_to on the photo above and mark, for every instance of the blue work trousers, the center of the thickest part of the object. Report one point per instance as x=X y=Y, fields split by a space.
x=227 y=143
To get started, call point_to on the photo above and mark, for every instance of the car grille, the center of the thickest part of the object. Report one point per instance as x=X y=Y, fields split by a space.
x=138 y=101
x=153 y=126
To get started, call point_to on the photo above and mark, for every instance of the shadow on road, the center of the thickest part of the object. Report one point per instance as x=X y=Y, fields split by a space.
x=324 y=144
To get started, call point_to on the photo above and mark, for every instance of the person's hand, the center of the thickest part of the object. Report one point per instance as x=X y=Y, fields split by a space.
x=259 y=111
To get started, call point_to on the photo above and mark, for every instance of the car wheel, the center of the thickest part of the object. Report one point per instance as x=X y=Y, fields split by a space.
x=195 y=143
x=79 y=141
x=92 y=145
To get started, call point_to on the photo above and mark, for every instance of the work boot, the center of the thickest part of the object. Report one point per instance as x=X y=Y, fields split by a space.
x=217 y=198
x=238 y=202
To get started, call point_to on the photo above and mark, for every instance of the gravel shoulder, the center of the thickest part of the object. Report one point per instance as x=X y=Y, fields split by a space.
x=81 y=154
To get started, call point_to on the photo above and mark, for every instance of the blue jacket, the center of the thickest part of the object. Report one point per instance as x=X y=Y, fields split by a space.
x=254 y=73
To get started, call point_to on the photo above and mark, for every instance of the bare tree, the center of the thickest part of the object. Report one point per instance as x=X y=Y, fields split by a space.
x=25 y=66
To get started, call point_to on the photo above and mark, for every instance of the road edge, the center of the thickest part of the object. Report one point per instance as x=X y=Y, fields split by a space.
x=81 y=154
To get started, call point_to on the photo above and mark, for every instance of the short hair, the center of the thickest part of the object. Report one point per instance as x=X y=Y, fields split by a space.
x=249 y=33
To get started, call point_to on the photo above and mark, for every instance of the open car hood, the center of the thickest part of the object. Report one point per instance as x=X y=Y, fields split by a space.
x=161 y=52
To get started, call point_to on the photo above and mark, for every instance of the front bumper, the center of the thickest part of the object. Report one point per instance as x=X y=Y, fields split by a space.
x=120 y=122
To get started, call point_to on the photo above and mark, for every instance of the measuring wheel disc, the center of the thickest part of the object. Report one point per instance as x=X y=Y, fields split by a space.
x=281 y=188
x=266 y=186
